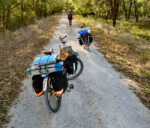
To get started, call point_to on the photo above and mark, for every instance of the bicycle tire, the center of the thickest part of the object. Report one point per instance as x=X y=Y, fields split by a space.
x=47 y=94
x=80 y=71
x=86 y=44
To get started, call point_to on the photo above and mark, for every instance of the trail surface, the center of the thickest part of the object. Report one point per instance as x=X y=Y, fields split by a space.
x=101 y=99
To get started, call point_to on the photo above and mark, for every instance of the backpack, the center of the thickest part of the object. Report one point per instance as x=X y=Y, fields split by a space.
x=70 y=16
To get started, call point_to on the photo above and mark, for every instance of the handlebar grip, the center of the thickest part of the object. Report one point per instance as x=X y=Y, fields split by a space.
x=61 y=38
x=64 y=37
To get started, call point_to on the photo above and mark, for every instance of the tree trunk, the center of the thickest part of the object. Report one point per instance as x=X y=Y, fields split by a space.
x=125 y=10
x=22 y=11
x=136 y=10
x=131 y=2
x=34 y=5
x=115 y=9
x=8 y=19
x=0 y=21
x=37 y=8
x=3 y=19
x=45 y=9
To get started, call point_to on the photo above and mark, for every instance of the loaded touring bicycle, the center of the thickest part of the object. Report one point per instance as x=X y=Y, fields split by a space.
x=85 y=37
x=50 y=74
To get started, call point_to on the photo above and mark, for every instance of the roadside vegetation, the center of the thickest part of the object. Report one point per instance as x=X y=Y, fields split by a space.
x=17 y=52
x=122 y=30
x=17 y=13
x=127 y=48
x=26 y=26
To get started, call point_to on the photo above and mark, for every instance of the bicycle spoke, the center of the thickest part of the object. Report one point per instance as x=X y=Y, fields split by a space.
x=52 y=101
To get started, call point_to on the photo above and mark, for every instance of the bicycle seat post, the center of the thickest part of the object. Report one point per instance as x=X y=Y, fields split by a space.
x=64 y=45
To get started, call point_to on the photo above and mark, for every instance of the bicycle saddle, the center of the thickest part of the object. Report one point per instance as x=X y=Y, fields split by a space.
x=50 y=52
x=47 y=53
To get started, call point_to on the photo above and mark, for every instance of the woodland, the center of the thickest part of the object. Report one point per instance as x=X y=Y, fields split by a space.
x=17 y=13
x=121 y=29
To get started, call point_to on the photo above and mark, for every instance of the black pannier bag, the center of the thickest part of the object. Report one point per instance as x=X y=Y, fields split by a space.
x=81 y=42
x=90 y=38
x=59 y=81
x=71 y=64
x=37 y=83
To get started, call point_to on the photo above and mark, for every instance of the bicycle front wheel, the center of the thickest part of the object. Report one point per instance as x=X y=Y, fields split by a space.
x=78 y=71
x=53 y=101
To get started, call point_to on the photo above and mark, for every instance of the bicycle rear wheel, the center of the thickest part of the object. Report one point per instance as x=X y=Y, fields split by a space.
x=86 y=44
x=78 y=72
x=87 y=48
x=53 y=101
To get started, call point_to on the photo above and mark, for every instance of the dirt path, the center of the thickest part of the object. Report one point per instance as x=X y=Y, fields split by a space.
x=100 y=98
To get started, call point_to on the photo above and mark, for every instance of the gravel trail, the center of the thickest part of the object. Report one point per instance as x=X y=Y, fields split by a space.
x=100 y=99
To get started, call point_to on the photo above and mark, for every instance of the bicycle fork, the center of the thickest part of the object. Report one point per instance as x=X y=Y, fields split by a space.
x=45 y=82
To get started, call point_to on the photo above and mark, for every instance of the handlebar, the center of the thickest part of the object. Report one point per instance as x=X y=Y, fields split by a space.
x=83 y=26
x=61 y=38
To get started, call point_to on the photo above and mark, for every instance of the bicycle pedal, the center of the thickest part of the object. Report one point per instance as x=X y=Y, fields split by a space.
x=70 y=87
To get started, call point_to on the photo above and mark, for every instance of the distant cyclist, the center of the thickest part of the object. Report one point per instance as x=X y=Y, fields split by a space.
x=70 y=17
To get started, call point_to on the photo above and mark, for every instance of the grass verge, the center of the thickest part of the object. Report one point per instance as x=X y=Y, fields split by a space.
x=131 y=55
x=17 y=51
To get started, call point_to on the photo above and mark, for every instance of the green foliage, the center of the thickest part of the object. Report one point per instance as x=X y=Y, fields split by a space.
x=84 y=7
x=143 y=58
x=17 y=13
x=103 y=8
x=124 y=28
x=89 y=7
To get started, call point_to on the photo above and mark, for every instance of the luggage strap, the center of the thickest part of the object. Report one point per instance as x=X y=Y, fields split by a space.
x=46 y=67
x=39 y=65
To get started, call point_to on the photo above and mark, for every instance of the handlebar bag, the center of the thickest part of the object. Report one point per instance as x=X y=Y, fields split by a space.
x=64 y=54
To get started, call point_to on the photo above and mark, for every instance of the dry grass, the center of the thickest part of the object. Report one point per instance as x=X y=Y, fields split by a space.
x=17 y=51
x=132 y=55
